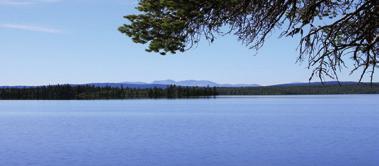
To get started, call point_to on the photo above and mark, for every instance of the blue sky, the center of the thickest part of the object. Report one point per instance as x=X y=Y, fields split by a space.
x=76 y=41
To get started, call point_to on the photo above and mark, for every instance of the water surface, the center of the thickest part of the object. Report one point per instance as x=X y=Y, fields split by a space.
x=338 y=130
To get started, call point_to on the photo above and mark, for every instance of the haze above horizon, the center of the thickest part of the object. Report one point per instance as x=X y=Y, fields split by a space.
x=63 y=41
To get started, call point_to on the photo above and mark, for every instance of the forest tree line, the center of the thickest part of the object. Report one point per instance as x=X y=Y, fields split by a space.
x=81 y=92
x=69 y=92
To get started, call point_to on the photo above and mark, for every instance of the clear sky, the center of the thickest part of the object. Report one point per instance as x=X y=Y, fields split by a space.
x=76 y=41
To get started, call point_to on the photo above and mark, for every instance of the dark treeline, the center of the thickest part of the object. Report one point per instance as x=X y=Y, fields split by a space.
x=68 y=92
x=302 y=90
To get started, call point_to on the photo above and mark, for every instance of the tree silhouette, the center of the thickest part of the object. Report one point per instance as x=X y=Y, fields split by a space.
x=334 y=34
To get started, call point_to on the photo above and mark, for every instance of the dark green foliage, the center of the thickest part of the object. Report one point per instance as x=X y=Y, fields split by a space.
x=331 y=31
x=68 y=92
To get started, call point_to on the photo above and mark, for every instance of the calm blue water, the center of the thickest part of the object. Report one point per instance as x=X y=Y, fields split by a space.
x=240 y=131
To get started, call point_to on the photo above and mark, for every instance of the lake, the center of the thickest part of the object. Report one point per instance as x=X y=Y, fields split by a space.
x=323 y=130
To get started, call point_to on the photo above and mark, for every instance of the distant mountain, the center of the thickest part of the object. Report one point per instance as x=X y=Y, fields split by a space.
x=157 y=84
x=19 y=87
x=200 y=83
x=128 y=85
x=164 y=82
x=186 y=83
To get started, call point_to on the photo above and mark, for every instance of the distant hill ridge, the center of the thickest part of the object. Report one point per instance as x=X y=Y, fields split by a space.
x=156 y=84
x=199 y=83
